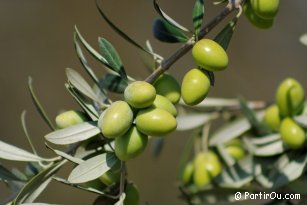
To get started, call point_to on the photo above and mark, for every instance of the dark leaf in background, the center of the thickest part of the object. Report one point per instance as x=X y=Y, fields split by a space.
x=166 y=32
x=7 y=175
x=211 y=77
x=113 y=83
x=198 y=15
x=223 y=38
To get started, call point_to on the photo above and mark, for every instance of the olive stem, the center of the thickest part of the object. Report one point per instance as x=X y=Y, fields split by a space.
x=167 y=63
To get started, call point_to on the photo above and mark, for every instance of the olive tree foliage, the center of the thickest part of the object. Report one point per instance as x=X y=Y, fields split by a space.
x=256 y=149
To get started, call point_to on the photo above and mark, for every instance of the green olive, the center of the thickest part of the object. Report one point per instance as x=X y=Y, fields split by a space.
x=112 y=176
x=132 y=195
x=164 y=104
x=155 y=121
x=69 y=118
x=140 y=94
x=266 y=9
x=207 y=166
x=292 y=134
x=116 y=120
x=210 y=55
x=131 y=144
x=272 y=118
x=290 y=98
x=195 y=86
x=187 y=174
x=235 y=149
x=256 y=20
x=167 y=86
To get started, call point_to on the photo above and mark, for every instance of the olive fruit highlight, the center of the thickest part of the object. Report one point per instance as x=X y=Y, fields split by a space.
x=187 y=174
x=164 y=104
x=140 y=94
x=155 y=122
x=272 y=118
x=210 y=55
x=132 y=195
x=266 y=9
x=116 y=120
x=292 y=134
x=195 y=86
x=167 y=86
x=131 y=144
x=70 y=118
x=290 y=98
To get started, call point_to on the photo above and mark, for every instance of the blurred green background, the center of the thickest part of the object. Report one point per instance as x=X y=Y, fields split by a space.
x=36 y=39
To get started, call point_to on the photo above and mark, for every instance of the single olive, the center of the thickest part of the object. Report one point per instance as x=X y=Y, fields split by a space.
x=207 y=166
x=210 y=55
x=292 y=134
x=272 y=118
x=155 y=122
x=266 y=9
x=195 y=86
x=235 y=149
x=116 y=120
x=256 y=20
x=132 y=195
x=167 y=86
x=290 y=98
x=69 y=118
x=187 y=174
x=140 y=94
x=164 y=104
x=131 y=144
x=112 y=176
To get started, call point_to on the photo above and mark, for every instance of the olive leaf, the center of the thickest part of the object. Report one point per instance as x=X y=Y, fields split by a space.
x=166 y=32
x=168 y=19
x=211 y=76
x=302 y=120
x=73 y=134
x=193 y=120
x=121 y=199
x=10 y=152
x=7 y=175
x=113 y=83
x=65 y=155
x=224 y=36
x=92 y=168
x=110 y=54
x=157 y=144
x=198 y=14
x=38 y=106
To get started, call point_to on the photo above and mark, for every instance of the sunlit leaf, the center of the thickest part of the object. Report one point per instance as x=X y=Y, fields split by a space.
x=121 y=199
x=302 y=120
x=192 y=121
x=66 y=156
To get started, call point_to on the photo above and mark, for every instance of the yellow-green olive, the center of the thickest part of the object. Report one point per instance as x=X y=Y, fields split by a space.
x=155 y=122
x=131 y=144
x=116 y=120
x=210 y=55
x=187 y=174
x=256 y=20
x=69 y=118
x=292 y=134
x=206 y=167
x=266 y=9
x=132 y=195
x=140 y=94
x=195 y=86
x=167 y=86
x=290 y=98
x=235 y=149
x=272 y=118
x=164 y=104
x=112 y=176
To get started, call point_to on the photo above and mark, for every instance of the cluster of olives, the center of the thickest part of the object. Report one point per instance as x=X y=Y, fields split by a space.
x=289 y=103
x=261 y=13
x=206 y=165
x=209 y=56
x=142 y=114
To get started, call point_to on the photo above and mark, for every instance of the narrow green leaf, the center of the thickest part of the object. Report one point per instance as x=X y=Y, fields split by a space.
x=168 y=18
x=38 y=106
x=25 y=130
x=10 y=152
x=7 y=175
x=121 y=199
x=113 y=83
x=166 y=32
x=73 y=134
x=223 y=38
x=211 y=77
x=121 y=33
x=66 y=156
x=92 y=168
x=193 y=121
x=36 y=182
x=198 y=15
x=32 y=196
x=110 y=54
